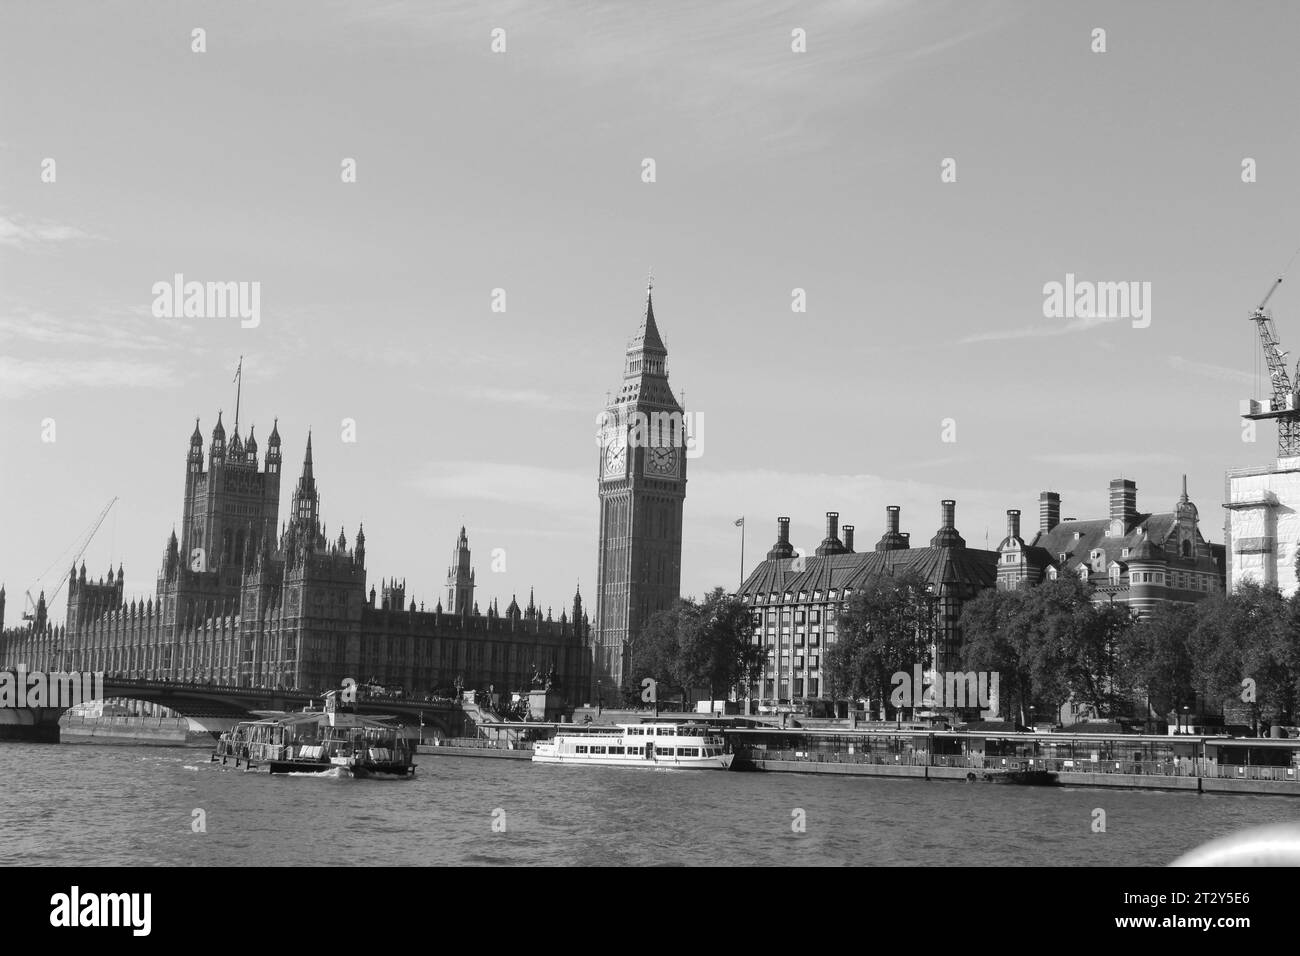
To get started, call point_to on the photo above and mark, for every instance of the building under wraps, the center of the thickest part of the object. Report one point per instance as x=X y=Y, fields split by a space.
x=1262 y=529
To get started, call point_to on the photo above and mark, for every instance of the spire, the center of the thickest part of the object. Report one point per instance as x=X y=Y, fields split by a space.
x=647 y=336
x=197 y=437
x=306 y=461
x=217 y=450
x=1184 y=497
x=306 y=500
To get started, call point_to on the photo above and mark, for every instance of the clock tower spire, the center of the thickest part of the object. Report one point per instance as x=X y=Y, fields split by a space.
x=642 y=489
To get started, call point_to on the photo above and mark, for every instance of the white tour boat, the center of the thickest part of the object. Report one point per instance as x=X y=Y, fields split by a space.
x=658 y=746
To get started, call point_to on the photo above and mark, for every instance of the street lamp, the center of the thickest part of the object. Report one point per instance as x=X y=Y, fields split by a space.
x=1187 y=719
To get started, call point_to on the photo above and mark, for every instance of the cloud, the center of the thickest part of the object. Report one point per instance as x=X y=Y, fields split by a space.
x=130 y=330
x=1038 y=331
x=743 y=80
x=20 y=377
x=530 y=397
x=25 y=233
x=1091 y=459
x=716 y=498
x=506 y=482
x=1207 y=370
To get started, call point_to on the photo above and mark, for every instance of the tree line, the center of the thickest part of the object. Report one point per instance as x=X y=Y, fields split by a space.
x=1053 y=644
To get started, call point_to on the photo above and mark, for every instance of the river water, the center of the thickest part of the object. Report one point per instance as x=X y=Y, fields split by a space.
x=95 y=805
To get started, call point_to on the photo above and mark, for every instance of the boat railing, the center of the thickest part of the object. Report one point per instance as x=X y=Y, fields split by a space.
x=480 y=743
x=1172 y=767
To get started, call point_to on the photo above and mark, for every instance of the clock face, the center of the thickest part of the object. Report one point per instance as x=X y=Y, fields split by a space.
x=661 y=461
x=615 y=459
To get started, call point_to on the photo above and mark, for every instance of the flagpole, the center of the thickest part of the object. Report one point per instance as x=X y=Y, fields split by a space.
x=742 y=549
x=239 y=387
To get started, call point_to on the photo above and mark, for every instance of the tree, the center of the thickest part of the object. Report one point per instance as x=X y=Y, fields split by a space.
x=716 y=650
x=885 y=627
x=1217 y=644
x=1091 y=636
x=994 y=640
x=1048 y=644
x=1158 y=657
x=654 y=654
x=708 y=644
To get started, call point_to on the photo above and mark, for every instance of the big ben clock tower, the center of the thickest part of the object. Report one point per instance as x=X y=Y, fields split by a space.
x=642 y=487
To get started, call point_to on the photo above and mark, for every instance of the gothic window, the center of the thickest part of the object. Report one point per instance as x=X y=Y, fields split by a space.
x=1187 y=548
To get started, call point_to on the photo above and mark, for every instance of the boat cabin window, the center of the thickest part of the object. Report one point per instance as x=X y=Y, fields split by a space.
x=597 y=750
x=666 y=751
x=580 y=749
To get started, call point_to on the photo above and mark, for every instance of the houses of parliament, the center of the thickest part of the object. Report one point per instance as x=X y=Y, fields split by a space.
x=238 y=604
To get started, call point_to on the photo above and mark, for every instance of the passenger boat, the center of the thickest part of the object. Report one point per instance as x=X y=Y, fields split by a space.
x=655 y=746
x=318 y=741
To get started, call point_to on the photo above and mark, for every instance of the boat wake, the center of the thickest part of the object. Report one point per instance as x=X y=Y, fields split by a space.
x=334 y=773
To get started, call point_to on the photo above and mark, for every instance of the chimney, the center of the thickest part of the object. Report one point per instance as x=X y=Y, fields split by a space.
x=1123 y=501
x=848 y=538
x=1049 y=511
x=831 y=544
x=947 y=536
x=782 y=547
x=892 y=540
x=1013 y=523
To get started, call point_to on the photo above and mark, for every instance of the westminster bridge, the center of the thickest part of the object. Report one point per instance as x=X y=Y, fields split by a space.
x=217 y=706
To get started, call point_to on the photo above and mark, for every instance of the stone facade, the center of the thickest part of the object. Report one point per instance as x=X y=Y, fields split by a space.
x=236 y=605
x=1133 y=557
x=641 y=483
x=796 y=597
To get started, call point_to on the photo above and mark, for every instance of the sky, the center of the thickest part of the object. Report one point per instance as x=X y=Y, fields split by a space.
x=522 y=170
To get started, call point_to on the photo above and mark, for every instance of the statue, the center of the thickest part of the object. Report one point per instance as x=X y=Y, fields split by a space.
x=552 y=679
x=537 y=680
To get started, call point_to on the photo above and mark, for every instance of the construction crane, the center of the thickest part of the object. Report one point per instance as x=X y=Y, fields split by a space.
x=82 y=543
x=1284 y=405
